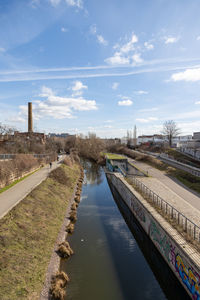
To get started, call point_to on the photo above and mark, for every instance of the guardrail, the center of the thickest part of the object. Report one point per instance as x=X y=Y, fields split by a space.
x=189 y=227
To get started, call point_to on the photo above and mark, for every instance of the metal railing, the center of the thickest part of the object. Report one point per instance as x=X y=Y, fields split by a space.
x=188 y=227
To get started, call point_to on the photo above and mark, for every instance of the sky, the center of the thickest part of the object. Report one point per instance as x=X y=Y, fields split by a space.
x=100 y=66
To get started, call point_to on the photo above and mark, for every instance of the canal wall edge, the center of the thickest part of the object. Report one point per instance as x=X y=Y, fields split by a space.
x=180 y=256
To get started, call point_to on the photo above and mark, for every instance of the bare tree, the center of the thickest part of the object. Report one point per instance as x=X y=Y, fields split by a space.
x=170 y=130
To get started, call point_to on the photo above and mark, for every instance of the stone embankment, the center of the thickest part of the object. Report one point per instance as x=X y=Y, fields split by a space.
x=180 y=255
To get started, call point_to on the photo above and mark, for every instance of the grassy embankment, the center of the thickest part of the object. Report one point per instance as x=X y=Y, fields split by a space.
x=28 y=233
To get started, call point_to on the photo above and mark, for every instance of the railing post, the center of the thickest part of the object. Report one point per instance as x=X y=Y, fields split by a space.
x=185 y=224
x=194 y=232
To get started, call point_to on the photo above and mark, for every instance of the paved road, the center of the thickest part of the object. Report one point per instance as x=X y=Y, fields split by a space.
x=182 y=191
x=15 y=194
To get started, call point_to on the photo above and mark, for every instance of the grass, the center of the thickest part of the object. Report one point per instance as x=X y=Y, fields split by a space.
x=15 y=182
x=183 y=158
x=189 y=180
x=28 y=234
x=114 y=156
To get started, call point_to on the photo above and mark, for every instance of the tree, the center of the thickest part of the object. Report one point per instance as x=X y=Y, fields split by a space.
x=171 y=130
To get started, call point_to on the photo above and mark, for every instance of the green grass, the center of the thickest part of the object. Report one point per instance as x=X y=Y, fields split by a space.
x=189 y=180
x=114 y=156
x=15 y=182
x=27 y=236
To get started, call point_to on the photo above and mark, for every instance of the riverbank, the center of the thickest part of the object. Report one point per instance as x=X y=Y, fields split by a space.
x=28 y=234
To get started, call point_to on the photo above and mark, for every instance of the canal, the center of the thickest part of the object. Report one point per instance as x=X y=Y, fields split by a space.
x=114 y=259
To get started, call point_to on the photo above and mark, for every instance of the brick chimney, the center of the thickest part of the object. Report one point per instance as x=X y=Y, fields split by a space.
x=30 y=117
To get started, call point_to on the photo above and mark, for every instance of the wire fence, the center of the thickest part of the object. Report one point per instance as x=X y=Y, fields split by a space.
x=188 y=227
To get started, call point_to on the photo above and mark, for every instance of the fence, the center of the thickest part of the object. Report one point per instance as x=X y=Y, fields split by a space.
x=12 y=156
x=189 y=227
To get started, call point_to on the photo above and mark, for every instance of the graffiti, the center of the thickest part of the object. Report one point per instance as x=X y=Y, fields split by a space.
x=188 y=277
x=161 y=240
x=139 y=212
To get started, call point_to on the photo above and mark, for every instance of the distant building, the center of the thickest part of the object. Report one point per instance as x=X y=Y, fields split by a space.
x=191 y=146
x=59 y=135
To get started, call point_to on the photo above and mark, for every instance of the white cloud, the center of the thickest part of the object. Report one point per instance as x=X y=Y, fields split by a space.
x=54 y=2
x=187 y=75
x=115 y=85
x=93 y=29
x=117 y=59
x=108 y=126
x=197 y=102
x=124 y=53
x=141 y=92
x=136 y=58
x=147 y=120
x=171 y=40
x=198 y=38
x=76 y=3
x=148 y=46
x=57 y=107
x=2 y=49
x=63 y=29
x=127 y=102
x=126 y=48
x=101 y=40
x=142 y=120
x=78 y=88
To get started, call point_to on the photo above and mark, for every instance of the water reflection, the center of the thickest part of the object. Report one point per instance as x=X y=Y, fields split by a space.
x=93 y=172
x=171 y=287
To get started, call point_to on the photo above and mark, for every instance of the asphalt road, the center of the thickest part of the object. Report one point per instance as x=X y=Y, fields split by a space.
x=15 y=194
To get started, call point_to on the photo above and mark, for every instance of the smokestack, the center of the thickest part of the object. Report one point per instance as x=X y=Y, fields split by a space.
x=30 y=118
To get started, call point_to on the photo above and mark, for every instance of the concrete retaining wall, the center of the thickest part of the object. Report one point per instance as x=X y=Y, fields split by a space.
x=183 y=259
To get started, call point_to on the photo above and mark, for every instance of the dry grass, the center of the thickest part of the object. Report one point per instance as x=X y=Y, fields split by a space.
x=58 y=285
x=27 y=235
x=64 y=250
x=59 y=175
x=70 y=228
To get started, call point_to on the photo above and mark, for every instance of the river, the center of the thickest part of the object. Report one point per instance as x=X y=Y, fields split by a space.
x=114 y=259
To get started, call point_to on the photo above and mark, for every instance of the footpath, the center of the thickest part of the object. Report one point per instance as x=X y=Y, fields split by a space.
x=182 y=192
x=15 y=194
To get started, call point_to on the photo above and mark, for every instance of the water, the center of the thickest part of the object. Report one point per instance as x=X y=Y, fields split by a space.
x=114 y=259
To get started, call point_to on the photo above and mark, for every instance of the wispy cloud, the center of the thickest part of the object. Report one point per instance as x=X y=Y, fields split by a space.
x=100 y=38
x=149 y=46
x=99 y=71
x=141 y=92
x=171 y=40
x=64 y=29
x=197 y=102
x=115 y=85
x=2 y=49
x=147 y=120
x=124 y=54
x=74 y=3
x=78 y=88
x=127 y=102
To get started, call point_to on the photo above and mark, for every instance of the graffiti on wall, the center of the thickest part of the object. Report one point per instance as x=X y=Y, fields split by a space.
x=161 y=240
x=138 y=210
x=188 y=276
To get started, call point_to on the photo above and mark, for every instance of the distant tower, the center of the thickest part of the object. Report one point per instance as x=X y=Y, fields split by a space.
x=30 y=117
x=135 y=136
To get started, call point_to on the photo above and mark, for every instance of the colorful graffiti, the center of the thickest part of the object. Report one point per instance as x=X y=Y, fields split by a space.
x=190 y=278
x=137 y=209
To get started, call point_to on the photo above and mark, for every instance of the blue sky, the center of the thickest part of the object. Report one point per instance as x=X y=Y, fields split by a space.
x=100 y=66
